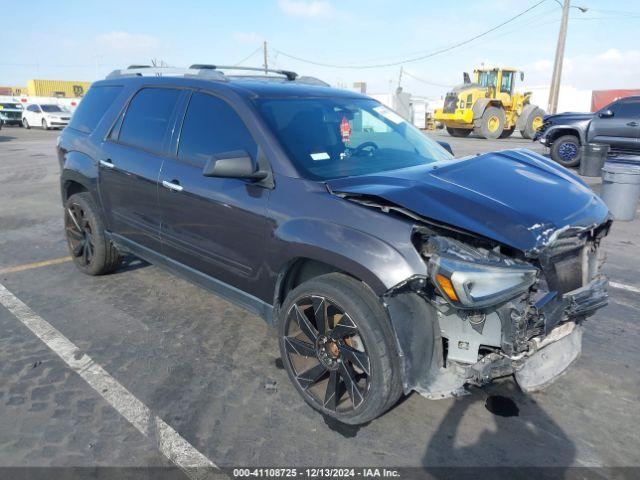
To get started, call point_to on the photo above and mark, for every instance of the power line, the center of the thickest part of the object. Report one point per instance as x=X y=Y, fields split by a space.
x=248 y=56
x=416 y=59
x=426 y=82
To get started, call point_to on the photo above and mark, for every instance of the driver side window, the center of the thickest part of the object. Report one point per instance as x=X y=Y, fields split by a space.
x=211 y=127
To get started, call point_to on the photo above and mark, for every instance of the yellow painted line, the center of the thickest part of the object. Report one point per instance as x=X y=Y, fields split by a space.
x=29 y=266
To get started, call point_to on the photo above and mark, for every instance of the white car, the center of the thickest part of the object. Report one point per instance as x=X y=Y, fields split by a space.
x=45 y=115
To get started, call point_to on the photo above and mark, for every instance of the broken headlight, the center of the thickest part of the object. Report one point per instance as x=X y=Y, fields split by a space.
x=470 y=278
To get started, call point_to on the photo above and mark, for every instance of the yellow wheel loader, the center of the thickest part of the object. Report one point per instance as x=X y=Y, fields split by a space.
x=489 y=106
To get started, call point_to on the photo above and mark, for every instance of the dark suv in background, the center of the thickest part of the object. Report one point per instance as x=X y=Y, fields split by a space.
x=385 y=264
x=616 y=125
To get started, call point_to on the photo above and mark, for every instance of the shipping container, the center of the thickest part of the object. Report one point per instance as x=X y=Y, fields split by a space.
x=602 y=98
x=57 y=88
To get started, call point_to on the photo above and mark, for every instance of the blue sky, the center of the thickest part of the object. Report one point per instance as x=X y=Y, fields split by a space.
x=84 y=40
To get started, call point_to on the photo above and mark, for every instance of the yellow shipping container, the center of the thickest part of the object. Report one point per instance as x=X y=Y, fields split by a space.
x=57 y=88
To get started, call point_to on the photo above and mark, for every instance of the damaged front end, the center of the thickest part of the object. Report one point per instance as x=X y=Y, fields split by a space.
x=495 y=311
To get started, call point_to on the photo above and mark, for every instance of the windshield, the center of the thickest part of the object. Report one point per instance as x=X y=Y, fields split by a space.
x=334 y=137
x=10 y=106
x=51 y=108
x=488 y=79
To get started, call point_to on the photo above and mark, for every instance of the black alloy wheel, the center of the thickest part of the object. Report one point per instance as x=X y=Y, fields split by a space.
x=79 y=234
x=326 y=354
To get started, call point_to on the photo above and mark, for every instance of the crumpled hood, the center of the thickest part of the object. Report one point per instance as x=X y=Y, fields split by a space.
x=516 y=197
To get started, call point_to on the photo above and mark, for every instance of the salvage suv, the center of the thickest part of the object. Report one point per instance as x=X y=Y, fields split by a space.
x=386 y=265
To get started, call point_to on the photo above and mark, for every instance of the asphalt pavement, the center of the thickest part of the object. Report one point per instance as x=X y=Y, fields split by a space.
x=211 y=370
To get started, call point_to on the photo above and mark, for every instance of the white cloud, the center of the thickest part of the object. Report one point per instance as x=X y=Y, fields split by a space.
x=307 y=9
x=128 y=43
x=613 y=68
x=246 y=38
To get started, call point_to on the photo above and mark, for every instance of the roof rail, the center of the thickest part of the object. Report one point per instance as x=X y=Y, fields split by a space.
x=149 y=71
x=287 y=73
x=210 y=72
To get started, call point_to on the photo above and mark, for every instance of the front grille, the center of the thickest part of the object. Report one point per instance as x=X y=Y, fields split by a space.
x=65 y=118
x=450 y=103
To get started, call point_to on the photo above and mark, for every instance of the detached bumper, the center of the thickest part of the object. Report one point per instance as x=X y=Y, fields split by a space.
x=560 y=349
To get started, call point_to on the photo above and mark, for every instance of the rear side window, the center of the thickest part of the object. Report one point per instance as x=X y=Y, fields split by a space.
x=93 y=107
x=210 y=127
x=147 y=119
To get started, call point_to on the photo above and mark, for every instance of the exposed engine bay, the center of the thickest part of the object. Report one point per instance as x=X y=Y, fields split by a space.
x=501 y=312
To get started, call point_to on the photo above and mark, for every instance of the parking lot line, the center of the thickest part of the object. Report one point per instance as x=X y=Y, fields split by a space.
x=169 y=442
x=29 y=266
x=622 y=286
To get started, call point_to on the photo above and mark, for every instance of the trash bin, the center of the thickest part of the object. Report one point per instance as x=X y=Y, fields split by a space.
x=592 y=159
x=621 y=188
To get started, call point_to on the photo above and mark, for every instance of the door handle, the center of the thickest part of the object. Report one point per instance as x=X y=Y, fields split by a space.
x=172 y=185
x=633 y=124
x=107 y=163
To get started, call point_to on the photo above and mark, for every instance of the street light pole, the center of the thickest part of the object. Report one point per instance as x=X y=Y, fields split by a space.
x=554 y=91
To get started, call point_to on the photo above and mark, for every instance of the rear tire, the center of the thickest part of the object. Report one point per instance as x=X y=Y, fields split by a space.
x=532 y=124
x=341 y=300
x=566 y=151
x=458 y=132
x=91 y=250
x=492 y=123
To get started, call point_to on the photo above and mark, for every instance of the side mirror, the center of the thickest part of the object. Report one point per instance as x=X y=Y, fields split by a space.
x=446 y=146
x=237 y=164
x=465 y=78
x=606 y=114
x=522 y=76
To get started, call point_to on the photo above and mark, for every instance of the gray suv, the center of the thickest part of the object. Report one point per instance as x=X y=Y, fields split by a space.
x=385 y=264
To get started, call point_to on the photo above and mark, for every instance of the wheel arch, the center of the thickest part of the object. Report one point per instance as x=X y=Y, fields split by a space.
x=315 y=247
x=79 y=173
x=481 y=105
x=555 y=133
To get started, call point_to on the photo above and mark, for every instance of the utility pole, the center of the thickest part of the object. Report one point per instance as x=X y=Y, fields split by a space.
x=264 y=50
x=400 y=77
x=554 y=90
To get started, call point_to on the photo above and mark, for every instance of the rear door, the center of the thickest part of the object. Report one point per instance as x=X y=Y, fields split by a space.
x=214 y=225
x=130 y=164
x=622 y=130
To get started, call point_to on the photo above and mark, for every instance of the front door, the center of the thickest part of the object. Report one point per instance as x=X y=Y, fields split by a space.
x=213 y=225
x=621 y=130
x=130 y=165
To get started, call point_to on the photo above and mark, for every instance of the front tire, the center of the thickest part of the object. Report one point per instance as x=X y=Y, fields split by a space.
x=566 y=150
x=25 y=123
x=44 y=125
x=491 y=123
x=91 y=251
x=338 y=348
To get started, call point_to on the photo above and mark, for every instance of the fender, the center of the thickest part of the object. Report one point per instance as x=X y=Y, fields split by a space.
x=556 y=131
x=524 y=116
x=480 y=106
x=81 y=168
x=368 y=258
